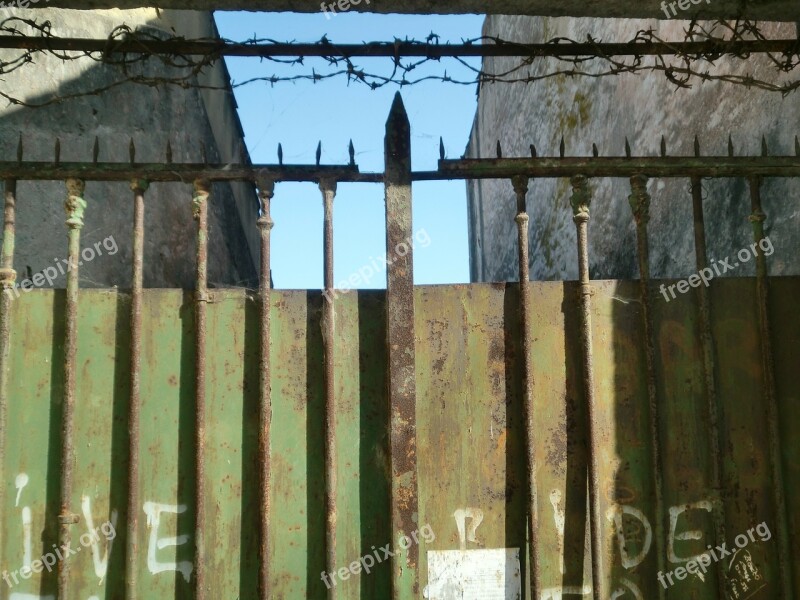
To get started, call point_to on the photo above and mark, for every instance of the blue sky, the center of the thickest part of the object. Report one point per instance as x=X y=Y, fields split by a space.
x=298 y=115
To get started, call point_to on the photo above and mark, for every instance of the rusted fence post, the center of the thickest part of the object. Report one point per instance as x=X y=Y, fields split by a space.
x=202 y=190
x=138 y=187
x=8 y=277
x=640 y=206
x=266 y=190
x=74 y=207
x=757 y=218
x=580 y=200
x=401 y=353
x=520 y=184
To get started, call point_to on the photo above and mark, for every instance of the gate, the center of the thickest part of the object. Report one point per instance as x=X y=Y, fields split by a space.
x=546 y=440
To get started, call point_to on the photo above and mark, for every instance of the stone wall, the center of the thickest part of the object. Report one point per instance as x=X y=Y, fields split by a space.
x=641 y=107
x=151 y=116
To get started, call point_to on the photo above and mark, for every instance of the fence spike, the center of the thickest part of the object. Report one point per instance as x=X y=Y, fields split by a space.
x=764 y=151
x=19 y=147
x=57 y=151
x=351 y=150
x=627 y=148
x=730 y=145
x=319 y=152
x=280 y=154
x=561 y=147
x=132 y=151
x=499 y=150
x=696 y=146
x=169 y=152
x=663 y=146
x=595 y=152
x=533 y=151
x=95 y=150
x=796 y=147
x=441 y=148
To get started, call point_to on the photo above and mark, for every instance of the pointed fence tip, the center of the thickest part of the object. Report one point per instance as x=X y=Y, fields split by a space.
x=499 y=150
x=351 y=151
x=319 y=152
x=595 y=151
x=561 y=147
x=95 y=150
x=730 y=145
x=627 y=147
x=169 y=152
x=696 y=145
x=132 y=151
x=57 y=150
x=280 y=153
x=764 y=150
x=663 y=146
x=398 y=110
x=533 y=151
x=441 y=148
x=19 y=147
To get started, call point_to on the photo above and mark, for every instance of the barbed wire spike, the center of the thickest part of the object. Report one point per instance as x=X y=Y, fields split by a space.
x=351 y=150
x=319 y=152
x=95 y=150
x=627 y=148
x=663 y=147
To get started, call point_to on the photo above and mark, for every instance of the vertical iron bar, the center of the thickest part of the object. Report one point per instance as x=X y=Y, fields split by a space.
x=328 y=189
x=770 y=398
x=520 y=184
x=640 y=205
x=401 y=353
x=74 y=207
x=202 y=189
x=138 y=187
x=580 y=200
x=7 y=278
x=709 y=370
x=266 y=192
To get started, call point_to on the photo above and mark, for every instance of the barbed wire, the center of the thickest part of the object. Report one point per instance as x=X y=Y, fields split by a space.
x=679 y=67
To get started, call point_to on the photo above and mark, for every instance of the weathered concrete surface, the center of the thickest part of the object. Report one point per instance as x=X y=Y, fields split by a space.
x=605 y=111
x=151 y=116
x=776 y=10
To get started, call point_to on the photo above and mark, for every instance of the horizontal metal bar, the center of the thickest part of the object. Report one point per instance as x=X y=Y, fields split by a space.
x=395 y=49
x=477 y=168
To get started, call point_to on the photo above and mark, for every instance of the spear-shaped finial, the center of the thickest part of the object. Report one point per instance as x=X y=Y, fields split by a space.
x=95 y=150
x=595 y=152
x=627 y=148
x=319 y=152
x=696 y=146
x=441 y=148
x=764 y=150
x=57 y=151
x=280 y=154
x=730 y=145
x=499 y=150
x=533 y=151
x=169 y=152
x=19 y=147
x=132 y=151
x=351 y=150
x=561 y=147
x=663 y=146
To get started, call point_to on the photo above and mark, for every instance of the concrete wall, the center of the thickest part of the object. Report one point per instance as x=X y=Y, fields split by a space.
x=151 y=116
x=605 y=110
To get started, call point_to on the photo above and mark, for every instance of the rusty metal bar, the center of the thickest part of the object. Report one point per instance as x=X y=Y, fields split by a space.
x=8 y=277
x=396 y=49
x=640 y=206
x=770 y=398
x=328 y=189
x=709 y=371
x=74 y=206
x=202 y=190
x=401 y=353
x=580 y=201
x=521 y=189
x=138 y=187
x=266 y=190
